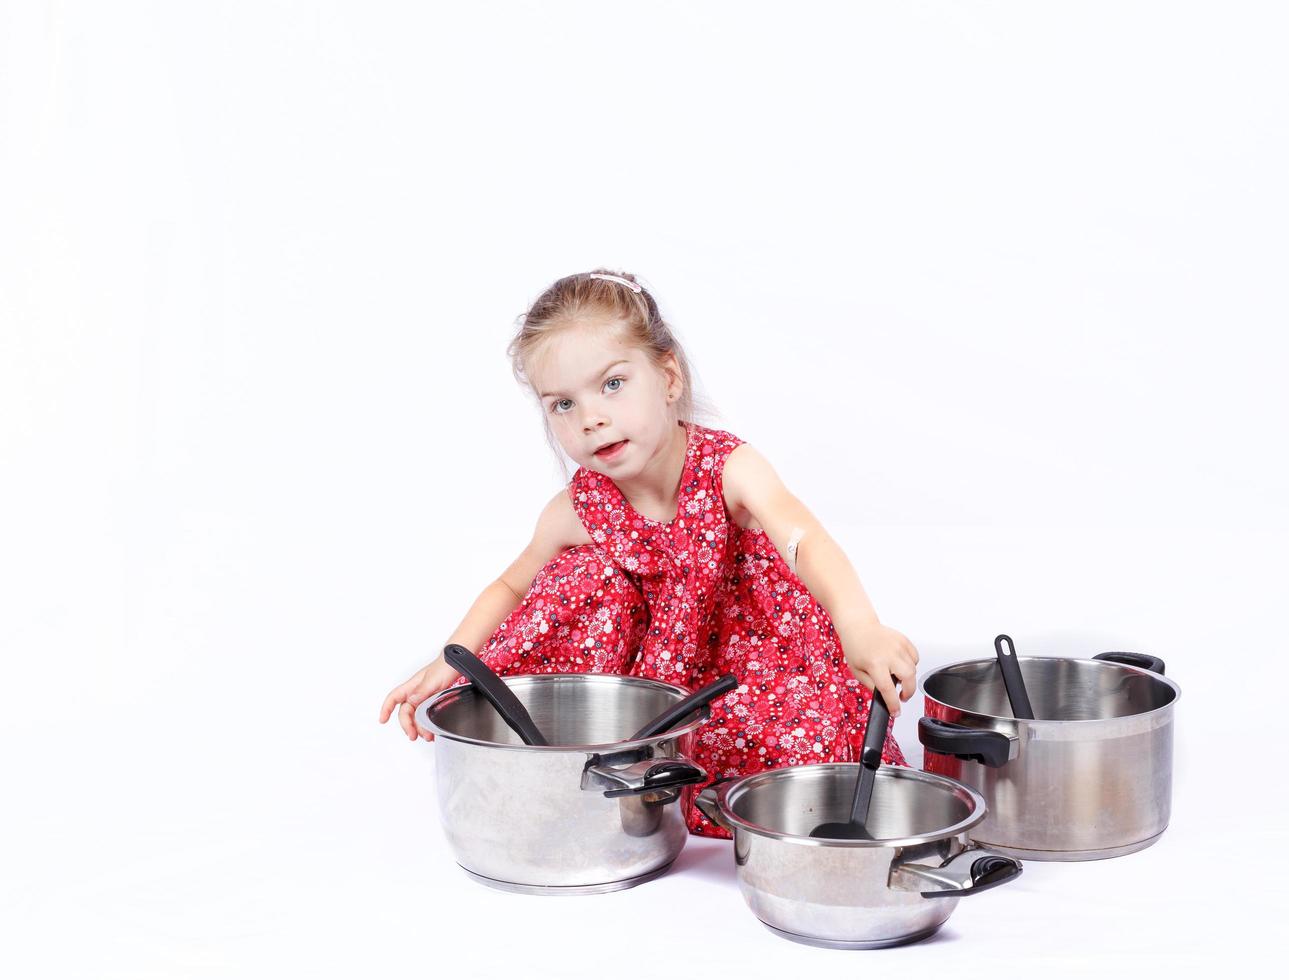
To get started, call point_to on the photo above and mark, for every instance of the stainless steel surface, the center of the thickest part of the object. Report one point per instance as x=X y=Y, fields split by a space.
x=908 y=807
x=517 y=816
x=1060 y=689
x=845 y=893
x=837 y=944
x=574 y=711
x=609 y=886
x=1089 y=855
x=1092 y=774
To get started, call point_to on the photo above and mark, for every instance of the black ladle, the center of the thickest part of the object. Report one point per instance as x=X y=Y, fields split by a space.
x=879 y=716
x=495 y=692
x=678 y=711
x=1012 y=680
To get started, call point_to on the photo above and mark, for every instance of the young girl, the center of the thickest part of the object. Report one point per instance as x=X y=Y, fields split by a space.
x=664 y=557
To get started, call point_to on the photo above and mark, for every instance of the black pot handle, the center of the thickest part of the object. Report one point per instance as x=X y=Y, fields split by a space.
x=1142 y=660
x=987 y=872
x=627 y=774
x=650 y=777
x=990 y=748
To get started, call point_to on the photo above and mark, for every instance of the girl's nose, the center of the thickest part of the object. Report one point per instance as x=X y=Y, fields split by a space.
x=594 y=419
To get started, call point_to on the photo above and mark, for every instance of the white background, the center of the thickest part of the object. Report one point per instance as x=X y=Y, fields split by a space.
x=997 y=287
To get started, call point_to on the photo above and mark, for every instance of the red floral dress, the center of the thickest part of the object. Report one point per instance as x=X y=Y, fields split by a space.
x=685 y=601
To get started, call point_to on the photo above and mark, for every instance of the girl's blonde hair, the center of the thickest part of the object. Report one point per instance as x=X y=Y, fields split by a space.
x=578 y=299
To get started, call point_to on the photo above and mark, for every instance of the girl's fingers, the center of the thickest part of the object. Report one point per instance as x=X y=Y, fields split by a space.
x=426 y=689
x=391 y=701
x=401 y=693
x=906 y=669
x=908 y=681
x=397 y=696
x=405 y=699
x=890 y=695
x=415 y=698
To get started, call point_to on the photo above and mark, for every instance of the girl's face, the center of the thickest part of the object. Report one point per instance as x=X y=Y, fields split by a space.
x=597 y=391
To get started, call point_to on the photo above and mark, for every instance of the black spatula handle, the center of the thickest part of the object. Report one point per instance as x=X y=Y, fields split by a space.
x=879 y=716
x=494 y=689
x=678 y=711
x=1012 y=678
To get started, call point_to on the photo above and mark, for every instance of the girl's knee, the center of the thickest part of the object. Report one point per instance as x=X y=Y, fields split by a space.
x=580 y=613
x=585 y=570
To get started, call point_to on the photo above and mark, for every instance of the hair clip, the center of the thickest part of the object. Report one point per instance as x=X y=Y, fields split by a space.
x=634 y=287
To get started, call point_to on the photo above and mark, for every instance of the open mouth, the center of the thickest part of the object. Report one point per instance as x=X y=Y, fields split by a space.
x=611 y=450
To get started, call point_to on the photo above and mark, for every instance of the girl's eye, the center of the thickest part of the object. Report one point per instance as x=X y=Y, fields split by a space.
x=555 y=406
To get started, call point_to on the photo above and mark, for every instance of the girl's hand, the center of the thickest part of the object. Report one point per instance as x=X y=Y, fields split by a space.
x=430 y=679
x=875 y=652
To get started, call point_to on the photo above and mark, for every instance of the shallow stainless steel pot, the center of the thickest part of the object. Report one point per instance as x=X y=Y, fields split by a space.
x=1090 y=778
x=854 y=894
x=588 y=813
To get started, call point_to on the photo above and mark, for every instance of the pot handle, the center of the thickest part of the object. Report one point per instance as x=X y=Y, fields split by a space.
x=709 y=800
x=973 y=871
x=1143 y=660
x=986 y=746
x=645 y=776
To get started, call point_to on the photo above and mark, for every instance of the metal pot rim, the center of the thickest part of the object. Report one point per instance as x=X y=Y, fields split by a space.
x=423 y=720
x=1098 y=664
x=746 y=783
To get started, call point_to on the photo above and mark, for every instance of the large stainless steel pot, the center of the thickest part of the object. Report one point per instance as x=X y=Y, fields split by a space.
x=588 y=813
x=854 y=894
x=1090 y=778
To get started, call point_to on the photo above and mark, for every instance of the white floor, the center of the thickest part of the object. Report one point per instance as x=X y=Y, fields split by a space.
x=216 y=799
x=181 y=852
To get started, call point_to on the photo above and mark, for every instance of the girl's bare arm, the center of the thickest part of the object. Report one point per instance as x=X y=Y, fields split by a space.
x=874 y=652
x=558 y=528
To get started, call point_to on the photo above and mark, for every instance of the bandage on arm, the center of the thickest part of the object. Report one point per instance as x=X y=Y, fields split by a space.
x=793 y=541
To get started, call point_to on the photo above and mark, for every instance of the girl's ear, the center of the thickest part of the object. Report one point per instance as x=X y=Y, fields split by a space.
x=675 y=380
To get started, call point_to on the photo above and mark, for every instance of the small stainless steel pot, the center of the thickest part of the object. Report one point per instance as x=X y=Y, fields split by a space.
x=588 y=813
x=854 y=894
x=1090 y=778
